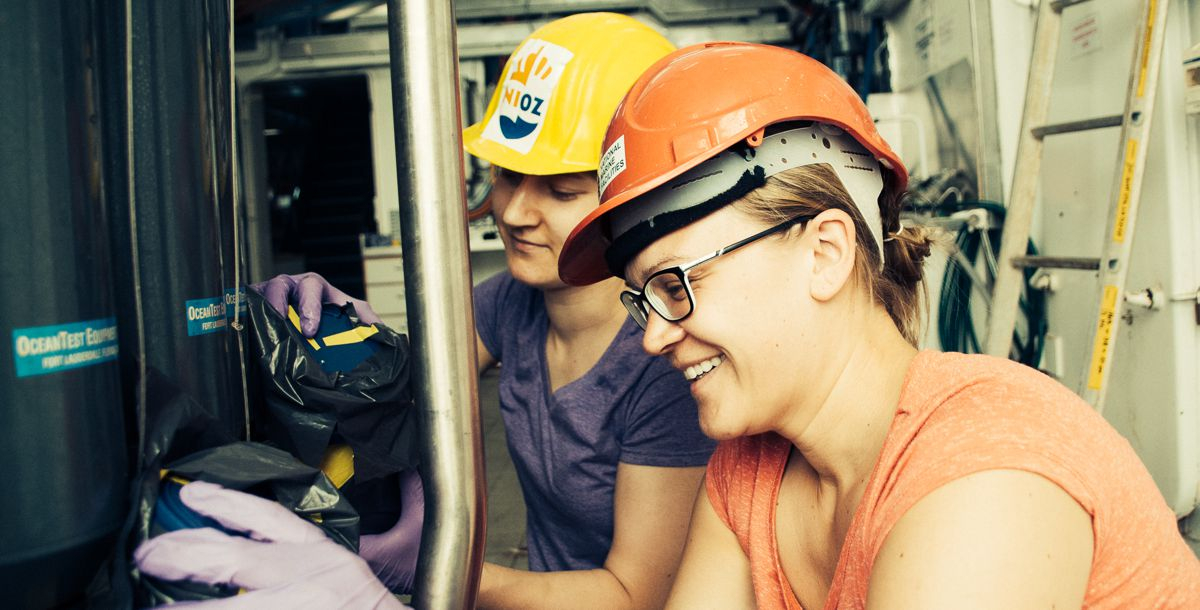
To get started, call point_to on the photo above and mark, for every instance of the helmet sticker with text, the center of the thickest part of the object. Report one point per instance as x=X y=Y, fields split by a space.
x=612 y=163
x=529 y=84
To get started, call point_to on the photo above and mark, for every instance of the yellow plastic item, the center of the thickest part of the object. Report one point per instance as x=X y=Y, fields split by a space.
x=295 y=319
x=357 y=334
x=559 y=90
x=338 y=464
x=165 y=475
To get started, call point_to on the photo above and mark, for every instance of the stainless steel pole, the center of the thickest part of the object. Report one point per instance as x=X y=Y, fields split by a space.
x=437 y=281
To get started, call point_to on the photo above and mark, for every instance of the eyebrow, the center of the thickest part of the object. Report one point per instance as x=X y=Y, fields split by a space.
x=580 y=178
x=658 y=265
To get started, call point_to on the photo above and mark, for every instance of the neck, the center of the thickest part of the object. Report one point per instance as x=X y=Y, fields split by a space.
x=579 y=311
x=843 y=440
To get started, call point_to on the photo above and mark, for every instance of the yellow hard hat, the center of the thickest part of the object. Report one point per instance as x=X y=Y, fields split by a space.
x=559 y=90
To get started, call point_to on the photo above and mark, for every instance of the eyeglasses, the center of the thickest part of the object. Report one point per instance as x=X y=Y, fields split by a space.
x=669 y=292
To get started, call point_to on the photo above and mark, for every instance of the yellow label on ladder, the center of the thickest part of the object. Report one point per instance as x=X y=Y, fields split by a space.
x=1128 y=167
x=1104 y=328
x=1146 y=41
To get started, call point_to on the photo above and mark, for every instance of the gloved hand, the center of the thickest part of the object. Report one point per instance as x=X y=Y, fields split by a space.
x=308 y=291
x=285 y=563
x=393 y=554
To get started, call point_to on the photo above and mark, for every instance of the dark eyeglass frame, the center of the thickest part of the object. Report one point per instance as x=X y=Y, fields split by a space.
x=639 y=306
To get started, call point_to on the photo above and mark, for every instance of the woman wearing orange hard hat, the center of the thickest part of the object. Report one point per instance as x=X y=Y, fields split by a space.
x=754 y=213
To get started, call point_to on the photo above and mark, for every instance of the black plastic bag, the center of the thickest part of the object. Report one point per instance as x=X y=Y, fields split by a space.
x=263 y=471
x=184 y=439
x=268 y=472
x=309 y=409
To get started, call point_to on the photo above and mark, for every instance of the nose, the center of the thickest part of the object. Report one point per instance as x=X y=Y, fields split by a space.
x=519 y=210
x=660 y=336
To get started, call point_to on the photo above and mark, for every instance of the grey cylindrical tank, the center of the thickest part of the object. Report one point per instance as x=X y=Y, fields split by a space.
x=174 y=227
x=62 y=441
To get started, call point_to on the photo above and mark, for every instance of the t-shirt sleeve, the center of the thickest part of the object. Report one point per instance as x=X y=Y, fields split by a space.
x=662 y=427
x=488 y=297
x=1021 y=422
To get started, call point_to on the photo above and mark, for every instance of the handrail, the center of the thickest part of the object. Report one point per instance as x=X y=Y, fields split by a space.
x=433 y=237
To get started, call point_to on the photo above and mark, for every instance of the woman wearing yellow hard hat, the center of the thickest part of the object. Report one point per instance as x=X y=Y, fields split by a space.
x=605 y=438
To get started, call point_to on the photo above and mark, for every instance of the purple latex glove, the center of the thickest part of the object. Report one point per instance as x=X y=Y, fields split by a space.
x=308 y=291
x=285 y=563
x=393 y=554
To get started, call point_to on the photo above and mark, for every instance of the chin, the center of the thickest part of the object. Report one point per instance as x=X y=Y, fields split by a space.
x=734 y=417
x=719 y=428
x=526 y=271
x=535 y=278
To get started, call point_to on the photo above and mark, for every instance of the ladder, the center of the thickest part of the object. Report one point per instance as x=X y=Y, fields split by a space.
x=1113 y=264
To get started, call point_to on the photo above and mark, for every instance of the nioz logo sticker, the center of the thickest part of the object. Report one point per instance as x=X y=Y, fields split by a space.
x=529 y=85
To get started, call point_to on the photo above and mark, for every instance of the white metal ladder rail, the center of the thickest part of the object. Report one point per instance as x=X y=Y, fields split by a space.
x=1113 y=265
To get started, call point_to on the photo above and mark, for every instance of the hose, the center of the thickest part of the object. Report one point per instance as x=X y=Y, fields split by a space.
x=956 y=324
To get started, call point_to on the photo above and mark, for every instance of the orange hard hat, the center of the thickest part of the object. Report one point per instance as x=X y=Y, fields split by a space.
x=707 y=99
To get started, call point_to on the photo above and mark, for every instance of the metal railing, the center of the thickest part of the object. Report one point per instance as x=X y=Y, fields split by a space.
x=433 y=236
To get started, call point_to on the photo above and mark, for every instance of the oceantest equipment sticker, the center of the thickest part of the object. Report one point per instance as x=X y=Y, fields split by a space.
x=235 y=298
x=50 y=349
x=206 y=316
x=529 y=87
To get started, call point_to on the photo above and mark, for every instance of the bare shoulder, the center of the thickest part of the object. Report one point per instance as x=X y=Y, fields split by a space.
x=994 y=539
x=715 y=573
x=650 y=517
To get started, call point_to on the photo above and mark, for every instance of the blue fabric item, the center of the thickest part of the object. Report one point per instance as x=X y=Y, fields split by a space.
x=630 y=408
x=171 y=514
x=339 y=358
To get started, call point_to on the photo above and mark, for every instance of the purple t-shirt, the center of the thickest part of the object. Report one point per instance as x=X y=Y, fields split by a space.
x=630 y=408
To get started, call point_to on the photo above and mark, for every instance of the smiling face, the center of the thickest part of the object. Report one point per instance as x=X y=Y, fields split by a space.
x=744 y=345
x=535 y=214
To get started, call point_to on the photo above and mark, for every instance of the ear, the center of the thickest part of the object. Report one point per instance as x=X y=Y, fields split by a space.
x=833 y=254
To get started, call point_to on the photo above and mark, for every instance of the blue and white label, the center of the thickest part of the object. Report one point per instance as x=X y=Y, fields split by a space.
x=526 y=94
x=235 y=298
x=206 y=316
x=60 y=347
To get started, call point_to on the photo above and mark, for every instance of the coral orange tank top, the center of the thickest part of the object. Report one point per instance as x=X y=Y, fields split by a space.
x=959 y=415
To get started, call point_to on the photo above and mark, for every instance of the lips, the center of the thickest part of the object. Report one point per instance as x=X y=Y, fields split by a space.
x=521 y=245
